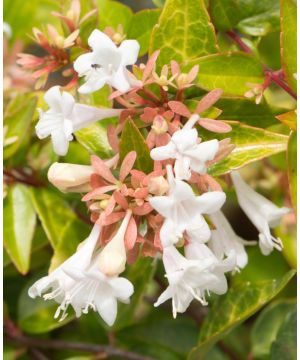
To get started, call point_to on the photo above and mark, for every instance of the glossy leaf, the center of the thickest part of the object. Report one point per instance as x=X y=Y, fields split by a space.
x=94 y=139
x=262 y=24
x=19 y=224
x=177 y=33
x=267 y=325
x=292 y=167
x=141 y=27
x=251 y=144
x=288 y=40
x=240 y=302
x=72 y=234
x=289 y=118
x=226 y=14
x=246 y=111
x=53 y=212
x=17 y=121
x=230 y=72
x=132 y=140
x=285 y=345
x=113 y=13
x=160 y=336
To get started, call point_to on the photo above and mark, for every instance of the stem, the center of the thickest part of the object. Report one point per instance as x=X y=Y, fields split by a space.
x=108 y=350
x=275 y=76
x=21 y=177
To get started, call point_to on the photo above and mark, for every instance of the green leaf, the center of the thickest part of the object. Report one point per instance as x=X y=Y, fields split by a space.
x=285 y=345
x=184 y=32
x=36 y=316
x=226 y=14
x=292 y=167
x=17 y=121
x=160 y=336
x=262 y=24
x=141 y=27
x=246 y=111
x=288 y=41
x=54 y=213
x=73 y=234
x=289 y=118
x=266 y=327
x=159 y=3
x=251 y=144
x=94 y=139
x=140 y=274
x=113 y=13
x=19 y=224
x=230 y=72
x=132 y=140
x=269 y=50
x=97 y=98
x=241 y=301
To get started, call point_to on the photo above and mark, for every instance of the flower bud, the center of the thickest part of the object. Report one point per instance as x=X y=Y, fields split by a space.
x=70 y=177
x=112 y=259
x=160 y=126
x=158 y=185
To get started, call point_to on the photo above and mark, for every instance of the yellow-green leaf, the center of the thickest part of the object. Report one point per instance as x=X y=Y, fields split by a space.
x=251 y=144
x=17 y=121
x=288 y=17
x=94 y=139
x=141 y=27
x=132 y=140
x=229 y=71
x=184 y=32
x=54 y=213
x=292 y=167
x=240 y=302
x=289 y=118
x=19 y=224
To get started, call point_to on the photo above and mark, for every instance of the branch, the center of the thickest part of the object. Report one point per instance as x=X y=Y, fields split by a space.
x=109 y=350
x=16 y=175
x=273 y=75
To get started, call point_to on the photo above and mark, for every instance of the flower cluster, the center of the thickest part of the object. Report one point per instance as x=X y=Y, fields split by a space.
x=173 y=210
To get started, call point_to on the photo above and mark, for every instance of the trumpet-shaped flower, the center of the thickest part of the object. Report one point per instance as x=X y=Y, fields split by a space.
x=106 y=63
x=183 y=211
x=65 y=116
x=225 y=241
x=99 y=287
x=184 y=147
x=261 y=211
x=190 y=279
x=216 y=280
x=58 y=282
x=95 y=290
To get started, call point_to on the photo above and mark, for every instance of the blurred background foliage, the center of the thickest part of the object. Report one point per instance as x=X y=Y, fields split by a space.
x=256 y=318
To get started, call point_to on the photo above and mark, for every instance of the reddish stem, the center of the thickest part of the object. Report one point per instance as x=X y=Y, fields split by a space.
x=275 y=76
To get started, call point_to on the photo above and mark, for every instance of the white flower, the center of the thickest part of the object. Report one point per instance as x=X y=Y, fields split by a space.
x=65 y=117
x=225 y=241
x=185 y=148
x=183 y=211
x=261 y=211
x=70 y=177
x=106 y=64
x=216 y=280
x=93 y=289
x=99 y=287
x=58 y=283
x=112 y=259
x=190 y=279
